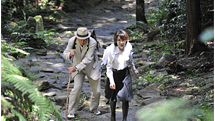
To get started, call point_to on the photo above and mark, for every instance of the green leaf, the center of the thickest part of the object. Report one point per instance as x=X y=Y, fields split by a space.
x=19 y=115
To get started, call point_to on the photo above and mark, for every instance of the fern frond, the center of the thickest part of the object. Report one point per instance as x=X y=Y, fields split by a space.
x=12 y=76
x=7 y=67
x=19 y=115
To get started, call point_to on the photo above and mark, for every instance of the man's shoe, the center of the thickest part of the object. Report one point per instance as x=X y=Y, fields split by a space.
x=71 y=116
x=97 y=112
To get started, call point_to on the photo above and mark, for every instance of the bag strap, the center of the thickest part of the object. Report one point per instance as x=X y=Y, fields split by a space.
x=73 y=47
x=93 y=35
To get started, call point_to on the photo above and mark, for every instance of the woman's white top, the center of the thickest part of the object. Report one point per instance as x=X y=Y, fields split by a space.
x=116 y=59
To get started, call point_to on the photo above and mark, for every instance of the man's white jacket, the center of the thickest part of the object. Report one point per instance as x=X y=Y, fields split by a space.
x=85 y=60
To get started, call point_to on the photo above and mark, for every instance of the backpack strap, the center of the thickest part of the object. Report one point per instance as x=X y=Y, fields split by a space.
x=93 y=35
x=73 y=47
x=88 y=39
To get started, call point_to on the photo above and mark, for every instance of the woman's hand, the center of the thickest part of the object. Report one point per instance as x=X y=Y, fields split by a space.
x=71 y=69
x=112 y=86
x=137 y=72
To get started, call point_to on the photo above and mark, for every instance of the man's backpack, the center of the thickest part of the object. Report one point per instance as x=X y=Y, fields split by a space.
x=93 y=35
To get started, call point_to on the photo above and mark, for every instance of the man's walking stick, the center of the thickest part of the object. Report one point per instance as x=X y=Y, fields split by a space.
x=67 y=97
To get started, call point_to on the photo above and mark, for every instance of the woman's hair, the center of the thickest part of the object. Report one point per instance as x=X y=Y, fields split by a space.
x=123 y=35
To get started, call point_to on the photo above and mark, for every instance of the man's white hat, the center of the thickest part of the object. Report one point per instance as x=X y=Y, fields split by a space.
x=82 y=33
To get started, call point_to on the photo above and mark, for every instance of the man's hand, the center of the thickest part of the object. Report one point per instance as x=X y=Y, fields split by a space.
x=71 y=69
x=112 y=86
x=72 y=52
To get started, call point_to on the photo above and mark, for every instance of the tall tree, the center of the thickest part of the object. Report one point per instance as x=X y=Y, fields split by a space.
x=193 y=27
x=140 y=11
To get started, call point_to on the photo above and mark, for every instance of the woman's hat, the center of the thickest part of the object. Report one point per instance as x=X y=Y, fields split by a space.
x=82 y=33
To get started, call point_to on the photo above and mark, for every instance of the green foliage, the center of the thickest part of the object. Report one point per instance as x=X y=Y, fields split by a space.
x=176 y=26
x=6 y=48
x=47 y=35
x=22 y=36
x=156 y=14
x=20 y=97
x=170 y=18
x=173 y=110
x=167 y=7
x=133 y=35
x=15 y=28
x=6 y=11
x=6 y=106
x=24 y=39
x=205 y=113
x=153 y=78
x=24 y=69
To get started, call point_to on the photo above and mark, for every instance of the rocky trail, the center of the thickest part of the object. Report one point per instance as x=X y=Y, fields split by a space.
x=51 y=70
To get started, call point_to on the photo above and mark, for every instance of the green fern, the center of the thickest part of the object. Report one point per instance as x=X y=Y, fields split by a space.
x=6 y=48
x=24 y=95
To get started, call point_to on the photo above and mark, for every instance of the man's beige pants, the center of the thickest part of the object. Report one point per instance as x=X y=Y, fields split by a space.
x=75 y=93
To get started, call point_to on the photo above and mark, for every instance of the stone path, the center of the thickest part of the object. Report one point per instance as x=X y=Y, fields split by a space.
x=51 y=70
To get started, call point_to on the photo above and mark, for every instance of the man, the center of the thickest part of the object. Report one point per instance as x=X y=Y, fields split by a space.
x=84 y=62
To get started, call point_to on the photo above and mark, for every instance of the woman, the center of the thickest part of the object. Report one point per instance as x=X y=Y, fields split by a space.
x=119 y=58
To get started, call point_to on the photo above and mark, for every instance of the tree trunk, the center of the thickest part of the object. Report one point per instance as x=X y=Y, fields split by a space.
x=193 y=27
x=36 y=4
x=140 y=11
x=57 y=3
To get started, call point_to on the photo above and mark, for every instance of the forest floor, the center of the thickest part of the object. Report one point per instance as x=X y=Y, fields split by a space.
x=151 y=89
